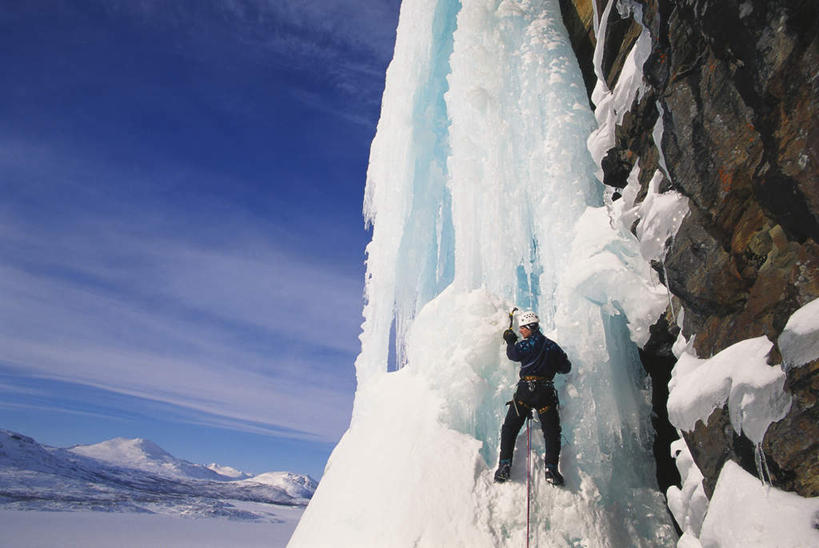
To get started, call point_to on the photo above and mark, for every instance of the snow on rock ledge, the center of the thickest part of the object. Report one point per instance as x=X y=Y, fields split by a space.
x=739 y=375
x=799 y=342
x=688 y=504
x=768 y=516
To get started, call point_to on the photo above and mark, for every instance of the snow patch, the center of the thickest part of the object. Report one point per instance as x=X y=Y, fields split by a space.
x=740 y=376
x=689 y=503
x=398 y=473
x=799 y=341
x=612 y=105
x=227 y=471
x=661 y=215
x=744 y=512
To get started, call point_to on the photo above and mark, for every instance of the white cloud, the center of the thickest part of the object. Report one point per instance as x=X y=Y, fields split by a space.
x=230 y=319
x=245 y=334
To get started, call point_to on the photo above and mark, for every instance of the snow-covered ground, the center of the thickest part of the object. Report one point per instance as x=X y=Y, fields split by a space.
x=37 y=529
x=130 y=492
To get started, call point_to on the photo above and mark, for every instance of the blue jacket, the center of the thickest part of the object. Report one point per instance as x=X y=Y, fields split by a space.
x=539 y=356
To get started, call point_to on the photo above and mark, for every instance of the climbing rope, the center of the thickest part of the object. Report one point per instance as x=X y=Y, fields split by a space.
x=528 y=469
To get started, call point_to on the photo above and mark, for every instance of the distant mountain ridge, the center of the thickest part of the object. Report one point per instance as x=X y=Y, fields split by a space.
x=145 y=455
x=136 y=475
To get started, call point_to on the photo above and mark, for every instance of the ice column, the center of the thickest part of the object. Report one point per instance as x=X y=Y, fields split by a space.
x=409 y=259
x=482 y=194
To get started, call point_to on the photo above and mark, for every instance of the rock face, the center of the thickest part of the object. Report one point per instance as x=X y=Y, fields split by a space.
x=736 y=85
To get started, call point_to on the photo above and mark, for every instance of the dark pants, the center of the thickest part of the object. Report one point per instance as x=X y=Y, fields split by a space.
x=543 y=399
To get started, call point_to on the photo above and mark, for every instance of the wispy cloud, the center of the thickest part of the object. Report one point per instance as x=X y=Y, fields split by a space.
x=112 y=278
x=55 y=409
x=56 y=331
x=224 y=332
x=225 y=318
x=336 y=38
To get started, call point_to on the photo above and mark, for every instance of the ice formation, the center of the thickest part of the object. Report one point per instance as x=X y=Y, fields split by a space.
x=482 y=195
x=483 y=192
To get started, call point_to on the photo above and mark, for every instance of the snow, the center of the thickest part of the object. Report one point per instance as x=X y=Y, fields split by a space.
x=689 y=503
x=611 y=105
x=295 y=485
x=101 y=530
x=413 y=467
x=227 y=471
x=145 y=455
x=799 y=341
x=744 y=512
x=661 y=215
x=740 y=376
x=131 y=492
x=37 y=477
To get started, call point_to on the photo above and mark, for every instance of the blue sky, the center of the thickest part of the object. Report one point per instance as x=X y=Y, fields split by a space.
x=180 y=225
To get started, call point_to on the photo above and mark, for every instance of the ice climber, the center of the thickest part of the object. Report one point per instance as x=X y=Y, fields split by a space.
x=540 y=359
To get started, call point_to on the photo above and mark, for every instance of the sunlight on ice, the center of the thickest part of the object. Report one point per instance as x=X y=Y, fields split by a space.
x=483 y=192
x=483 y=196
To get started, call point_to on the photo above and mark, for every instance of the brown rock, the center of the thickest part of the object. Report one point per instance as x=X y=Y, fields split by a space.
x=578 y=17
x=713 y=443
x=792 y=444
x=741 y=141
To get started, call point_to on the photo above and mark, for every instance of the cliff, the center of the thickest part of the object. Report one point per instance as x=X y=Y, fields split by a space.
x=736 y=86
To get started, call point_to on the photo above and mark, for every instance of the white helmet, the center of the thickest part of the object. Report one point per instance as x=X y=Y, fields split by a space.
x=527 y=318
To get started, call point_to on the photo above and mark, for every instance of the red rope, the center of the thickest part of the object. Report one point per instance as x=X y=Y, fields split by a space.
x=528 y=469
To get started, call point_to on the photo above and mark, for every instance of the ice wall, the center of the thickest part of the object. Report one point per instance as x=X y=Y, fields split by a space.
x=482 y=195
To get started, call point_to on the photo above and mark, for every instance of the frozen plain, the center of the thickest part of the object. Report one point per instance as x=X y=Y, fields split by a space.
x=30 y=529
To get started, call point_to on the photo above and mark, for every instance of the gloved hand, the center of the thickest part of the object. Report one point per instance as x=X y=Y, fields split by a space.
x=510 y=337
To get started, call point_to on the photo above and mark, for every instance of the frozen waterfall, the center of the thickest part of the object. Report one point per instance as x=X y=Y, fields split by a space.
x=482 y=195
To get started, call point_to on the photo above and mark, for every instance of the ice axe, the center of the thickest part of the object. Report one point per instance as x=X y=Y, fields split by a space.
x=512 y=316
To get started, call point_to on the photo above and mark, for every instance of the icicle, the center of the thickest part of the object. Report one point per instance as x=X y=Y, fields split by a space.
x=667 y=288
x=761 y=462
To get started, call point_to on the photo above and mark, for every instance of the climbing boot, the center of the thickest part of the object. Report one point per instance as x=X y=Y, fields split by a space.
x=553 y=476
x=503 y=471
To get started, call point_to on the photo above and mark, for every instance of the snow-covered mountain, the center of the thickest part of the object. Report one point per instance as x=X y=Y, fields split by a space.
x=295 y=485
x=136 y=475
x=228 y=471
x=145 y=455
